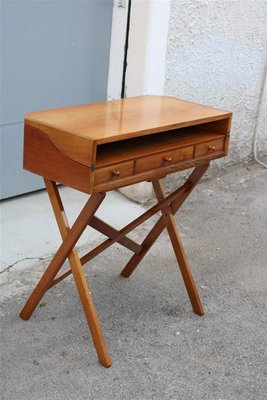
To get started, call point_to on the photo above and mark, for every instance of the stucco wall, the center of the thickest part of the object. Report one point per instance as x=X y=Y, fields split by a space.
x=215 y=55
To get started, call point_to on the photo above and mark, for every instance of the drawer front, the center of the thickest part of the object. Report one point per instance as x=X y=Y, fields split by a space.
x=163 y=159
x=114 y=172
x=210 y=147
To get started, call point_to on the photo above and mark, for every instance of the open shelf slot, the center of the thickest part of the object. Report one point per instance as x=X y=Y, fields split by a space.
x=130 y=149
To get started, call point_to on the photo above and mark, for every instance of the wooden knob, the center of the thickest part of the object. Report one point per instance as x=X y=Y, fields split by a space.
x=211 y=148
x=168 y=159
x=115 y=172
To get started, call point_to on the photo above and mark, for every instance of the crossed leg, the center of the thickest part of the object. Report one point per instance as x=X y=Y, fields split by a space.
x=179 y=252
x=168 y=206
x=167 y=220
x=70 y=237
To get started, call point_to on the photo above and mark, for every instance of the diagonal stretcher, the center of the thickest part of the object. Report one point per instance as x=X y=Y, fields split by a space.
x=167 y=205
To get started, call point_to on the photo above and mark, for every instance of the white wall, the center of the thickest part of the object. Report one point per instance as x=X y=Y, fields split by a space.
x=147 y=47
x=145 y=72
x=208 y=51
x=216 y=54
x=117 y=43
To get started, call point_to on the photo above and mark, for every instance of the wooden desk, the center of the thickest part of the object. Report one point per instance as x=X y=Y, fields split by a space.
x=95 y=148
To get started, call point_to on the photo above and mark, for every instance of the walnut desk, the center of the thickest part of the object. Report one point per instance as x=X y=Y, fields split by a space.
x=95 y=148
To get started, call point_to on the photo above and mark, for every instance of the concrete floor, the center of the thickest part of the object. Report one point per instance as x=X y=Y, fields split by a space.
x=160 y=349
x=29 y=230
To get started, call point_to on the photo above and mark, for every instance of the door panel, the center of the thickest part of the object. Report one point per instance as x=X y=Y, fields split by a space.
x=14 y=179
x=54 y=53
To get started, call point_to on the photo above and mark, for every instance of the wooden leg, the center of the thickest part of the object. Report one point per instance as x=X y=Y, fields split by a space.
x=183 y=193
x=61 y=255
x=173 y=198
x=79 y=277
x=179 y=252
x=149 y=240
x=112 y=233
x=70 y=236
x=168 y=205
x=146 y=245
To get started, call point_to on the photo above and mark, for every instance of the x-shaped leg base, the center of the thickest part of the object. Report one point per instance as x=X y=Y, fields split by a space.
x=168 y=207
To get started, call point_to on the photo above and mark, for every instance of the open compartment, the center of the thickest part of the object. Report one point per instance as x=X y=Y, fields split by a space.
x=142 y=146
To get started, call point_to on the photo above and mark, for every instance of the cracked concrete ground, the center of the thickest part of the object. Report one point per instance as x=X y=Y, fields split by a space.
x=160 y=349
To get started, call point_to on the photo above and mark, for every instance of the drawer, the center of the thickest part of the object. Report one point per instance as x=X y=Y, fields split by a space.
x=114 y=172
x=164 y=158
x=210 y=147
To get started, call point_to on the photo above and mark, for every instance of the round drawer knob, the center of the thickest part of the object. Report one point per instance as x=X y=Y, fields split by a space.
x=168 y=159
x=116 y=173
x=211 y=148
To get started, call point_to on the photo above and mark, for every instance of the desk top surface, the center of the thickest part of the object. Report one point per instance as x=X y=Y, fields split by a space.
x=121 y=119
